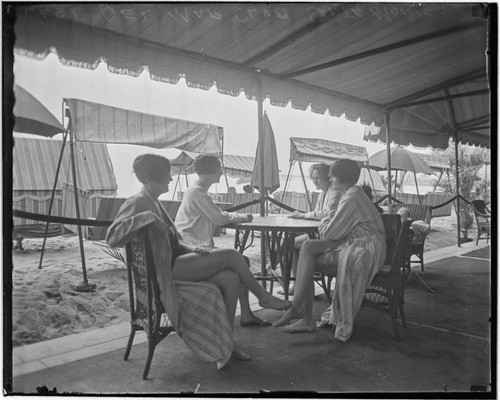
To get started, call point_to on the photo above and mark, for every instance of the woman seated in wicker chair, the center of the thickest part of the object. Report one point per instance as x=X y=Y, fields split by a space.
x=182 y=266
x=351 y=246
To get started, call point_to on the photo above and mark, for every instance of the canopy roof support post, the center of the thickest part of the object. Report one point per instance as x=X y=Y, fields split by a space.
x=260 y=116
x=457 y=179
x=388 y=144
x=453 y=122
x=54 y=188
x=85 y=286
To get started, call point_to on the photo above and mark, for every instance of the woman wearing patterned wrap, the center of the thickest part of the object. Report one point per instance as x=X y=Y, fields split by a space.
x=352 y=247
x=199 y=286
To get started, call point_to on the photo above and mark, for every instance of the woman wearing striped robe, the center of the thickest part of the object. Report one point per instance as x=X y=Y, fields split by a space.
x=351 y=247
x=199 y=286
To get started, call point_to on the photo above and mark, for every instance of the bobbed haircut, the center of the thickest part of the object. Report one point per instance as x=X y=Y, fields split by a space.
x=151 y=167
x=347 y=171
x=323 y=170
x=207 y=164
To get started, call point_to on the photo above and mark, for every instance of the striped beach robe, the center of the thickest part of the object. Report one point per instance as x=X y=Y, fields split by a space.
x=361 y=255
x=196 y=309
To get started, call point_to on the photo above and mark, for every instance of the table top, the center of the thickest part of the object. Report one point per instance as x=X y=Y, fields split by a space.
x=278 y=222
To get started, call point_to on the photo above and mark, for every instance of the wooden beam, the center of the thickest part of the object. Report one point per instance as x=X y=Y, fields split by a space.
x=442 y=98
x=385 y=49
x=468 y=77
x=305 y=30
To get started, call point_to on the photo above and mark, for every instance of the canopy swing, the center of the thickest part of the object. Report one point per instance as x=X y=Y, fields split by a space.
x=326 y=151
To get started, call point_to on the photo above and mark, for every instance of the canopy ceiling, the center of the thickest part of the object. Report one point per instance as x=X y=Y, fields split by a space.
x=425 y=62
x=93 y=122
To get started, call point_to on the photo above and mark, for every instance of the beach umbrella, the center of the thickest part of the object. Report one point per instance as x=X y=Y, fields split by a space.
x=401 y=160
x=33 y=117
x=271 y=170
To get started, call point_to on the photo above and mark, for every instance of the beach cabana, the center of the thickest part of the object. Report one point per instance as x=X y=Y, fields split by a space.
x=326 y=151
x=235 y=166
x=34 y=172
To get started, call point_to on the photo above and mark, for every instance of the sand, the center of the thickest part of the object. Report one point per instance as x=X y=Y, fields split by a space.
x=45 y=305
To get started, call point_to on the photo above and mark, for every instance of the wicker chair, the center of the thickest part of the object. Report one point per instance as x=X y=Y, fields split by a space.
x=386 y=289
x=418 y=212
x=146 y=310
x=482 y=215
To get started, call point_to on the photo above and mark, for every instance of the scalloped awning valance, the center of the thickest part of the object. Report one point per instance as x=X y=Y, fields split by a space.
x=426 y=62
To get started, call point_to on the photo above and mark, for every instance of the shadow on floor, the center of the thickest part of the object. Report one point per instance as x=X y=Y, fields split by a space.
x=445 y=347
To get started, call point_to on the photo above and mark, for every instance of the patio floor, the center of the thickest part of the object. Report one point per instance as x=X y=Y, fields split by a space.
x=445 y=347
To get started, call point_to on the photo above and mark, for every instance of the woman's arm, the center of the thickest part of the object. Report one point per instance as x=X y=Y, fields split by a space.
x=217 y=216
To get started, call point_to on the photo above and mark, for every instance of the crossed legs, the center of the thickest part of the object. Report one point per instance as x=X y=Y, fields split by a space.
x=302 y=305
x=195 y=267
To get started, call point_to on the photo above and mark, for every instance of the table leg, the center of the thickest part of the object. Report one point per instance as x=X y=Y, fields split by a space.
x=286 y=259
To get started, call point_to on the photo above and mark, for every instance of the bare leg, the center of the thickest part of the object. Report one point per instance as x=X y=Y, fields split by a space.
x=304 y=284
x=296 y=248
x=228 y=283
x=247 y=317
x=195 y=267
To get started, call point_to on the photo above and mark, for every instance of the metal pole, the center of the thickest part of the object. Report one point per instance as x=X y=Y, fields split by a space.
x=305 y=186
x=388 y=144
x=416 y=185
x=54 y=188
x=85 y=286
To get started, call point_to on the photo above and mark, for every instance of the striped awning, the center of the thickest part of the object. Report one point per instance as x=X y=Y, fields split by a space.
x=35 y=164
x=234 y=166
x=321 y=150
x=94 y=122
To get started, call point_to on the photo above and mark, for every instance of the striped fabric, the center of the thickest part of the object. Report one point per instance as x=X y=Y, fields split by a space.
x=196 y=309
x=361 y=255
x=35 y=163
x=34 y=170
x=234 y=166
x=94 y=122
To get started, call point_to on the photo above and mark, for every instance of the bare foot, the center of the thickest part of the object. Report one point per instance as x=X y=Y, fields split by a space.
x=292 y=313
x=240 y=354
x=299 y=326
x=275 y=303
x=252 y=320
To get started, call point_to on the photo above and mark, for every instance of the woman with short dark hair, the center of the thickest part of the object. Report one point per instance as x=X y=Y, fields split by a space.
x=351 y=247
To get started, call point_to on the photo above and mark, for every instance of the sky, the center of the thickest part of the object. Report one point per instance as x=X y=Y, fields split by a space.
x=50 y=81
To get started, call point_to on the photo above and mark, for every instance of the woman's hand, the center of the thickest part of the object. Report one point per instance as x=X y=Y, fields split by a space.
x=296 y=215
x=249 y=217
x=202 y=251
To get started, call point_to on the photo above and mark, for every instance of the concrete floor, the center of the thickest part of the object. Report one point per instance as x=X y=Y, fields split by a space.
x=445 y=347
